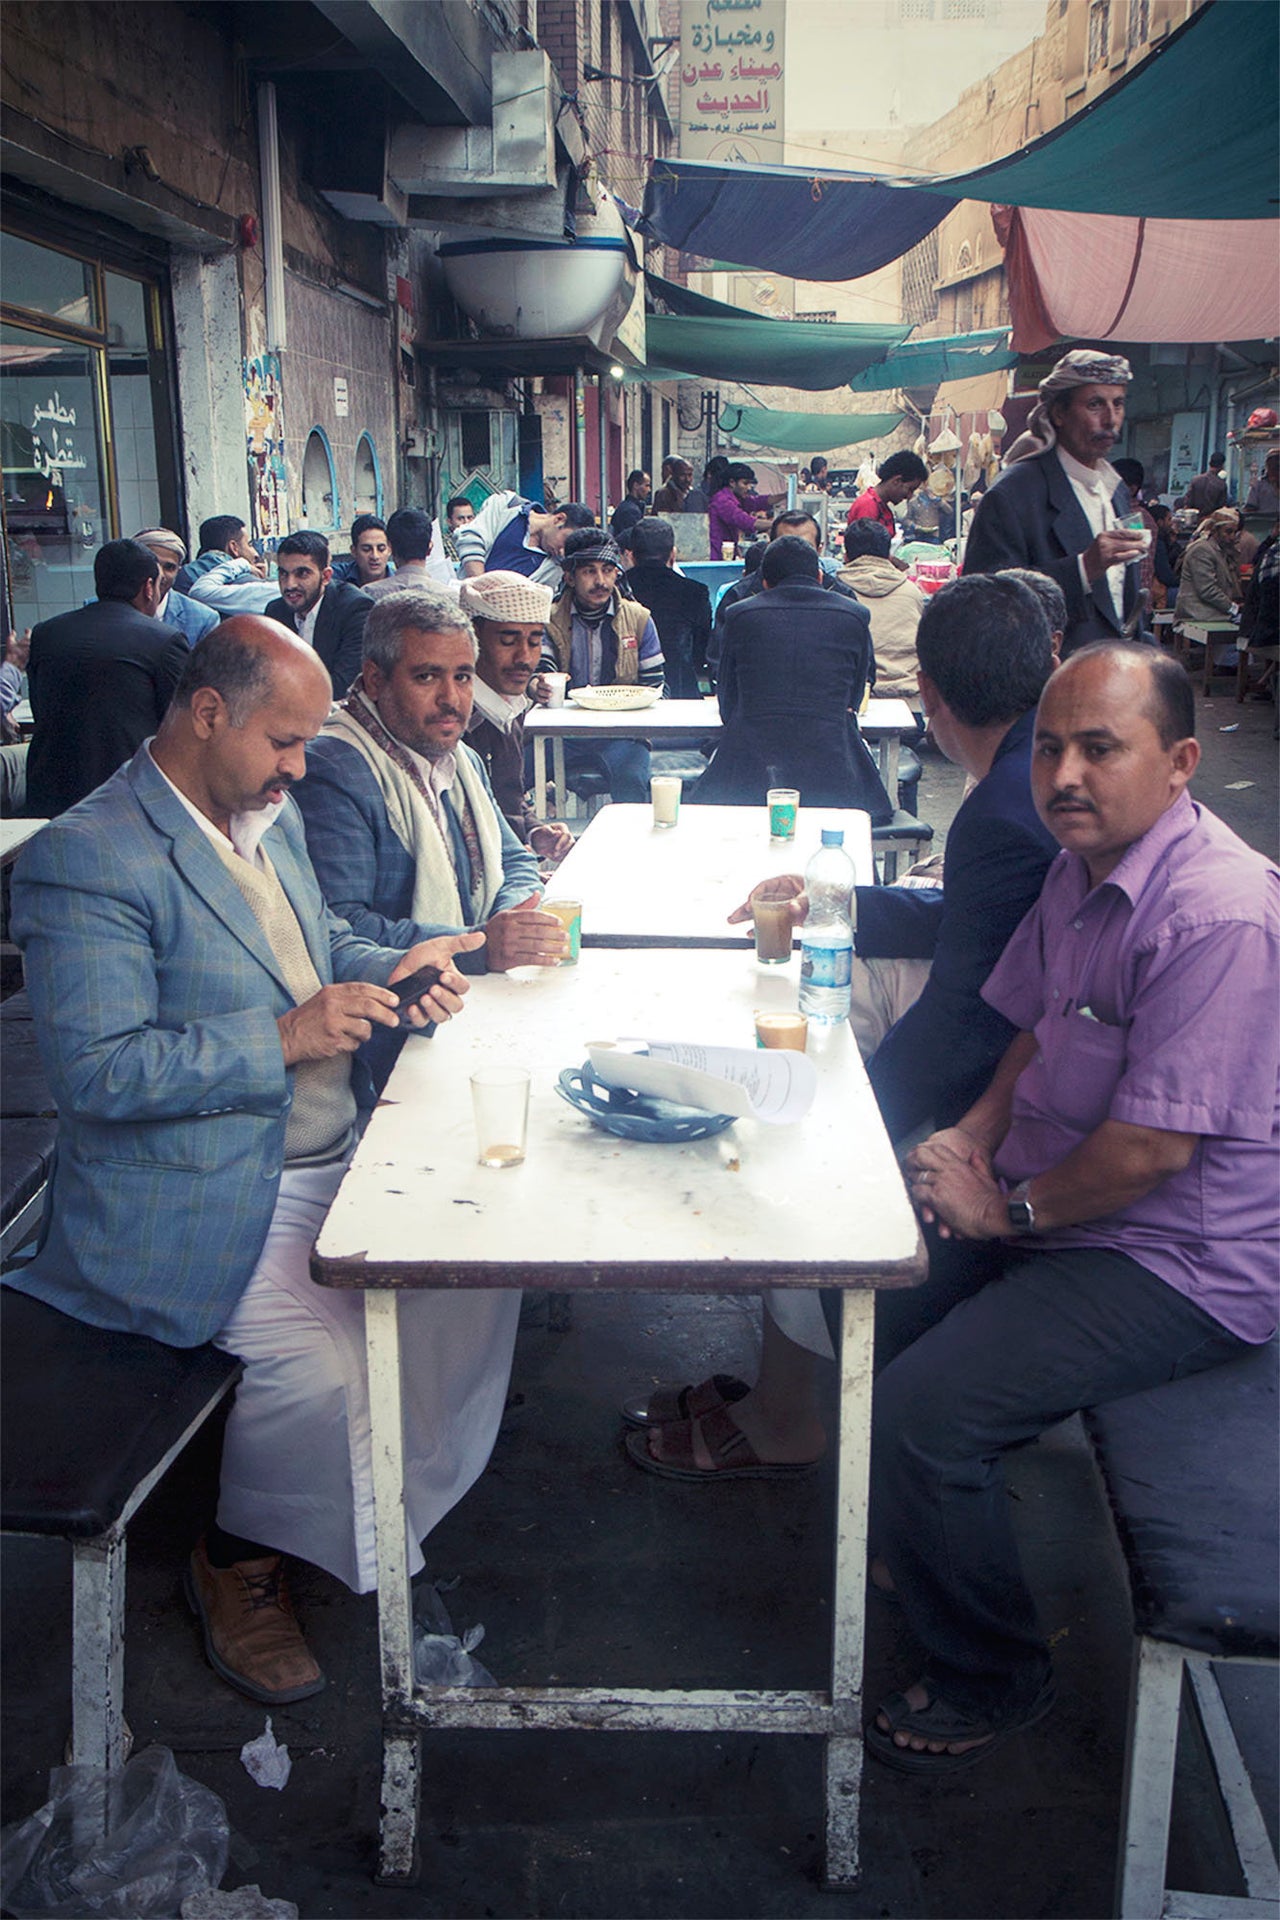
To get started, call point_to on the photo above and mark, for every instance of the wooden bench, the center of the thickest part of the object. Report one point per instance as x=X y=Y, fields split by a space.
x=1190 y=1473
x=89 y=1423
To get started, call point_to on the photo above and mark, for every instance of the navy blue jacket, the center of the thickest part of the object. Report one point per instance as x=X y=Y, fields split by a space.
x=936 y=1060
x=1030 y=517
x=339 y=633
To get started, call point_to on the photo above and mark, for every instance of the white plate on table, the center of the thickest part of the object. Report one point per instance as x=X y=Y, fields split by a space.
x=614 y=699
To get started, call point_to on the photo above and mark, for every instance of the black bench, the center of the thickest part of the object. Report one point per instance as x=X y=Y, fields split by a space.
x=27 y=1127
x=1190 y=1474
x=89 y=1423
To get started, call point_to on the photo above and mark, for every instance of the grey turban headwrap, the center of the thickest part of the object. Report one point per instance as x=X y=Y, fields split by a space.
x=605 y=550
x=1082 y=367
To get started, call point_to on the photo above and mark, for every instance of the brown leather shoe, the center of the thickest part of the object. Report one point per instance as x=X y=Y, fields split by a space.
x=251 y=1633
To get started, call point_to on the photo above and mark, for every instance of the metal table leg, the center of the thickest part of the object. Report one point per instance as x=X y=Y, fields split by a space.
x=843 y=1768
x=540 y=775
x=558 y=779
x=401 y=1743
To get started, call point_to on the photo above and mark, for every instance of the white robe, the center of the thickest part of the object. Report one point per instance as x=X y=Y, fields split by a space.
x=297 y=1469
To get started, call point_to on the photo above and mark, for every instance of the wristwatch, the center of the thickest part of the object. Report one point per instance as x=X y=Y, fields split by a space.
x=1022 y=1218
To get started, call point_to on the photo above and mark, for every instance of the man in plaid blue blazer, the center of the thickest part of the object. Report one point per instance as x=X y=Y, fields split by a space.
x=198 y=1008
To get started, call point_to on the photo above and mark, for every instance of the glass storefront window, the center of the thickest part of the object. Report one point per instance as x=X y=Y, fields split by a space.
x=50 y=449
x=84 y=419
x=132 y=411
x=42 y=281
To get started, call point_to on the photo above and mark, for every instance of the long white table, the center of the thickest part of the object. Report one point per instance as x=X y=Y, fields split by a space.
x=817 y=1204
x=645 y=886
x=674 y=723
x=14 y=835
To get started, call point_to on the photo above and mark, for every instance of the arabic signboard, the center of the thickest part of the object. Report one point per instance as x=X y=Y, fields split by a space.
x=732 y=74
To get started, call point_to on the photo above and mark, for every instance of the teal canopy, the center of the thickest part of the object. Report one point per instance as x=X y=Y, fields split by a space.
x=779 y=353
x=804 y=432
x=1188 y=134
x=925 y=363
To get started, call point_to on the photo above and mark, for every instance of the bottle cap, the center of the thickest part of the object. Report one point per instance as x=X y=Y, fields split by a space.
x=833 y=836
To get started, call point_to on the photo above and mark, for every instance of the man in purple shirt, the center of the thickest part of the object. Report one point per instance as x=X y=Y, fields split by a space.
x=738 y=509
x=1116 y=1183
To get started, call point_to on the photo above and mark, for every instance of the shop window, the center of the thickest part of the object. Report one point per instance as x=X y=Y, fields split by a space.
x=1099 y=33
x=476 y=444
x=54 y=284
x=366 y=491
x=320 y=505
x=84 y=420
x=54 y=491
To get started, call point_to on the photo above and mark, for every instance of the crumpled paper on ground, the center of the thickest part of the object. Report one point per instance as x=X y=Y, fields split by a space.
x=266 y=1760
x=246 y=1903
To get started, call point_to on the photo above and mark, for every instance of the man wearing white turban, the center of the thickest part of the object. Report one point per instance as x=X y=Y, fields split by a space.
x=509 y=614
x=1059 y=505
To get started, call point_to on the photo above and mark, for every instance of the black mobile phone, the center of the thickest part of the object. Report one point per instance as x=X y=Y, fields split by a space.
x=412 y=988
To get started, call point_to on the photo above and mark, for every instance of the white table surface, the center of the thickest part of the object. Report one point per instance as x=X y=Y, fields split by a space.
x=820 y=1202
x=676 y=722
x=642 y=885
x=14 y=835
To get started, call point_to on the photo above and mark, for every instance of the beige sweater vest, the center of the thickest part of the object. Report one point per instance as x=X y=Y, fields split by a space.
x=324 y=1108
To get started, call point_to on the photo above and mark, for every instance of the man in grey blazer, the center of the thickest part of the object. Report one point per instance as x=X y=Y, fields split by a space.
x=197 y=1008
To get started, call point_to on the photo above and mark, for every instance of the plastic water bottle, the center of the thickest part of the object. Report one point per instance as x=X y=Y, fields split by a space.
x=826 y=938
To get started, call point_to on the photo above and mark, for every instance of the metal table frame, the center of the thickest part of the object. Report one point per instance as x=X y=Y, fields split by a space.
x=408 y=1710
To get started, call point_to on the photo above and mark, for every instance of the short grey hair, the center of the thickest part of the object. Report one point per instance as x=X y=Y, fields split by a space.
x=411 y=610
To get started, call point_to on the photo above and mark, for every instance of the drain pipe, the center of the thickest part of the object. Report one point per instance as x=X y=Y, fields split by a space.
x=272 y=227
x=579 y=488
x=602 y=432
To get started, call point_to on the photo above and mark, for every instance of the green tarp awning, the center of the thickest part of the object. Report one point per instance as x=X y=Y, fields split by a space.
x=777 y=353
x=804 y=432
x=924 y=363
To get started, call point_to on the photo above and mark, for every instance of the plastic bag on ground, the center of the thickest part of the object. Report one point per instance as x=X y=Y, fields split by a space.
x=129 y=1844
x=440 y=1658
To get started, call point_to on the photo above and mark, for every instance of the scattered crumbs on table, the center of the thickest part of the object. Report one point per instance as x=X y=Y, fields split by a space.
x=1237 y=786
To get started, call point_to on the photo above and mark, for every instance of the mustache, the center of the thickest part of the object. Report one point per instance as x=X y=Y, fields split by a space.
x=1076 y=802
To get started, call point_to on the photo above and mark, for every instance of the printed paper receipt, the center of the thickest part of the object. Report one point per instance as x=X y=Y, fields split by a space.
x=746 y=1081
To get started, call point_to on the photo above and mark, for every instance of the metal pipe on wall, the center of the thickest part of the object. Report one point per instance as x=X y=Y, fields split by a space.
x=602 y=433
x=272 y=225
x=578 y=485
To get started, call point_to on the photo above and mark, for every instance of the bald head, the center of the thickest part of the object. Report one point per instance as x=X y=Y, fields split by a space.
x=250 y=698
x=241 y=660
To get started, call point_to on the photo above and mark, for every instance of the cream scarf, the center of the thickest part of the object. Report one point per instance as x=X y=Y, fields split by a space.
x=413 y=819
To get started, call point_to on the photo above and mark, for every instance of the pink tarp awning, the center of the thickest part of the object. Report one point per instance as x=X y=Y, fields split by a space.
x=1089 y=276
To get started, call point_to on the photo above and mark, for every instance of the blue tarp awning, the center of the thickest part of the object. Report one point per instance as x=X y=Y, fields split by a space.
x=1189 y=134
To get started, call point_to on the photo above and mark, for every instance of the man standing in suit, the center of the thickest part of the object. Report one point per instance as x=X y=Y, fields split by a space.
x=681 y=608
x=329 y=615
x=1059 y=505
x=100 y=679
x=197 y=1008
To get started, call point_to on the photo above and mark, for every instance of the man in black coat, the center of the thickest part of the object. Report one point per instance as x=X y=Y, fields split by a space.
x=794 y=521
x=101 y=678
x=328 y=614
x=681 y=608
x=796 y=662
x=1059 y=504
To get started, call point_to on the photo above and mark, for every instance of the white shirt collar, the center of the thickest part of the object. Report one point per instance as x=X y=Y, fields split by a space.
x=1100 y=479
x=246 y=829
x=503 y=709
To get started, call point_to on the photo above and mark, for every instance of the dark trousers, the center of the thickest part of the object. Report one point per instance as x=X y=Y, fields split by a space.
x=625 y=764
x=1047 y=1334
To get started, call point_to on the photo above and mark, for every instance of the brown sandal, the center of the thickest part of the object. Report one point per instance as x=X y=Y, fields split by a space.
x=665 y=1406
x=732 y=1454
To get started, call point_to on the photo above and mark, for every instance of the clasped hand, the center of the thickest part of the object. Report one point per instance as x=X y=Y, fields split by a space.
x=951 y=1182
